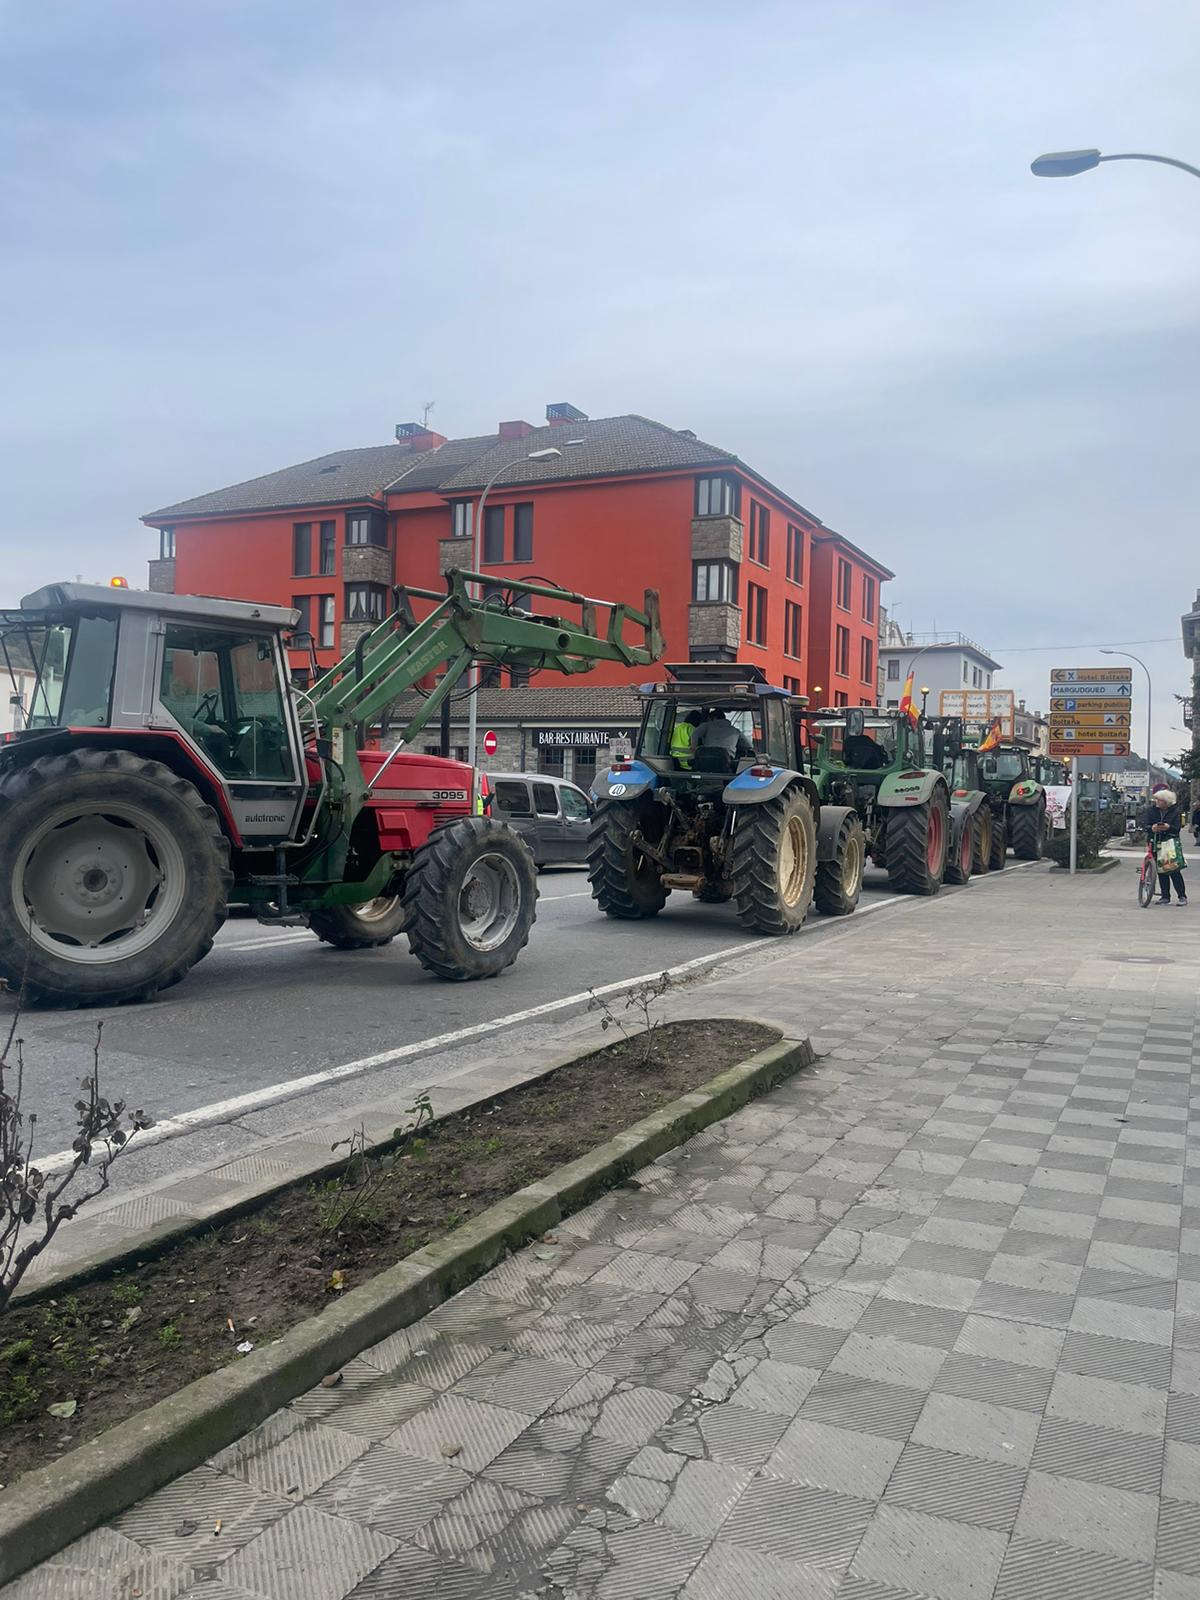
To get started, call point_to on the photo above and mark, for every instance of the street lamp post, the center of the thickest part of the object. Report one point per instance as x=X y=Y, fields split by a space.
x=476 y=558
x=925 y=693
x=1129 y=655
x=1069 y=163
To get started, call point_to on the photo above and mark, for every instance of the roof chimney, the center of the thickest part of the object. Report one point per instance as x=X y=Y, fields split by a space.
x=515 y=430
x=418 y=435
x=561 y=414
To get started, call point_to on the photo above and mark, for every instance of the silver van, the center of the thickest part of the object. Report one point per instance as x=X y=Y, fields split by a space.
x=550 y=814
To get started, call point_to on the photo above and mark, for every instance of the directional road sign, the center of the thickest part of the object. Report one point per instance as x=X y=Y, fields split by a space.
x=1075 y=675
x=1080 y=747
x=1093 y=691
x=1095 y=705
x=1090 y=719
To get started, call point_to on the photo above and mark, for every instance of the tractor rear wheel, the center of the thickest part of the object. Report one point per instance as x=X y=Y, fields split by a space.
x=774 y=863
x=114 y=878
x=983 y=840
x=470 y=899
x=839 y=882
x=917 y=842
x=625 y=883
x=998 y=859
x=1028 y=830
x=360 y=927
x=961 y=859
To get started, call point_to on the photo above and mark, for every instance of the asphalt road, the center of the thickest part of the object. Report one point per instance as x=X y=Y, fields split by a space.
x=223 y=1050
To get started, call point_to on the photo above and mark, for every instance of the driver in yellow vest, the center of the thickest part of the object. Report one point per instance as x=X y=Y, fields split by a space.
x=683 y=739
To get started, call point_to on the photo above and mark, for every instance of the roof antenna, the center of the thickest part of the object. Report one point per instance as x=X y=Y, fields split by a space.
x=428 y=407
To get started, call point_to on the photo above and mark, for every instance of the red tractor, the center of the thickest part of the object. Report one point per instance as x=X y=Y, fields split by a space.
x=168 y=769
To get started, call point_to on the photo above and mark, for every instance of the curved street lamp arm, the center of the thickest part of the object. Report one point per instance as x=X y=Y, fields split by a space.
x=1166 y=161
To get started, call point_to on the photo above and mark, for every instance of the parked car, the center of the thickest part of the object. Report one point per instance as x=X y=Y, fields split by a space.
x=550 y=814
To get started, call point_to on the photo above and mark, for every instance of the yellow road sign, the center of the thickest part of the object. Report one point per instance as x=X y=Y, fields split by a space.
x=1100 y=720
x=1070 y=675
x=1101 y=703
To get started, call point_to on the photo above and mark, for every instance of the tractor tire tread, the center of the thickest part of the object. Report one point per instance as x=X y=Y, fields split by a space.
x=829 y=891
x=907 y=851
x=206 y=853
x=754 y=866
x=1027 y=832
x=336 y=926
x=428 y=886
x=608 y=859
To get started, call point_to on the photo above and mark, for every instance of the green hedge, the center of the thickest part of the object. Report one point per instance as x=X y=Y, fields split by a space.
x=1093 y=834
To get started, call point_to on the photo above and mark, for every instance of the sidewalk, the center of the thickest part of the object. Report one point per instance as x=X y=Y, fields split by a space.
x=923 y=1322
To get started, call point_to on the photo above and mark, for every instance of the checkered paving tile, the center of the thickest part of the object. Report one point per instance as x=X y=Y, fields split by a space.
x=923 y=1324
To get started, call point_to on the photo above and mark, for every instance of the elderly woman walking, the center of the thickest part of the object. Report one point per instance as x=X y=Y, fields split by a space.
x=1166 y=822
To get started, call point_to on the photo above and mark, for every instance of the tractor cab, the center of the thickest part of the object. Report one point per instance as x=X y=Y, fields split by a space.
x=1005 y=766
x=956 y=755
x=853 y=750
x=200 y=683
x=712 y=722
x=1047 y=771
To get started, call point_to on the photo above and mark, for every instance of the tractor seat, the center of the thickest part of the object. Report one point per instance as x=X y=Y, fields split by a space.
x=864 y=753
x=710 y=758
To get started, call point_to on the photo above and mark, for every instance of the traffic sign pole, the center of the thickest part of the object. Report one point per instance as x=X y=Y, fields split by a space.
x=1074 y=820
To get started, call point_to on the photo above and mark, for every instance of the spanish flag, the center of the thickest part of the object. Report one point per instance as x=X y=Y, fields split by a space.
x=991 y=739
x=907 y=709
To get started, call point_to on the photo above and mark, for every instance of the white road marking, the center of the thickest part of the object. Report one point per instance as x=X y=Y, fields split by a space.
x=272 y=1094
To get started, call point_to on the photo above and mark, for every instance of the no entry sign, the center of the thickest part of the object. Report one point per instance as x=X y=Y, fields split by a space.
x=490 y=743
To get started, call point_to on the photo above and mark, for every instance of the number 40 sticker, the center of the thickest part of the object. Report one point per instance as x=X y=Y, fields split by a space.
x=616 y=788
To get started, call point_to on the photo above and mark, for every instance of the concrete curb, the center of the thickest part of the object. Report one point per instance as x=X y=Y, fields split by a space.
x=47 y=1509
x=297 y=1158
x=1105 y=864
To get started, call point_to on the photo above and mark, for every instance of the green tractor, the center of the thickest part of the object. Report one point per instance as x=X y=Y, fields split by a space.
x=975 y=845
x=715 y=801
x=873 y=762
x=1048 y=772
x=1017 y=801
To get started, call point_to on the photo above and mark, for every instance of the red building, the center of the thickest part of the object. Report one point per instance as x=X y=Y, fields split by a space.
x=744 y=571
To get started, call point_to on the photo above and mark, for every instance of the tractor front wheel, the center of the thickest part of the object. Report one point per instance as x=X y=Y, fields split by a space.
x=961 y=859
x=917 y=841
x=998 y=859
x=983 y=840
x=774 y=863
x=625 y=883
x=1028 y=832
x=360 y=927
x=114 y=878
x=470 y=899
x=839 y=882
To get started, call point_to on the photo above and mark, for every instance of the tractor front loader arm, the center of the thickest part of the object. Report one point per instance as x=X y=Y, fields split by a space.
x=461 y=629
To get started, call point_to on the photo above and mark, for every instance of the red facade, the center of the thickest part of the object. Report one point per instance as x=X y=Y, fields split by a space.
x=772 y=593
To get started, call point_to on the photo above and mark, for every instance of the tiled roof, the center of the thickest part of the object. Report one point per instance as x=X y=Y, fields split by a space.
x=327 y=480
x=606 y=445
x=609 y=445
x=570 y=703
x=330 y=480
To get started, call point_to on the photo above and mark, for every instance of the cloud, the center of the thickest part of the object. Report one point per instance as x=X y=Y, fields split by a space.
x=238 y=236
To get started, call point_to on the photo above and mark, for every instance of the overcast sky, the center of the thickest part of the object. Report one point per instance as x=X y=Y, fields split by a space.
x=240 y=233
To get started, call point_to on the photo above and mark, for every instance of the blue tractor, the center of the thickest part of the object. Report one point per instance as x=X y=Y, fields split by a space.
x=716 y=801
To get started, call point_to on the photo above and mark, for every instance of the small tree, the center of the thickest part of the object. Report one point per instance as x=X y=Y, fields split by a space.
x=641 y=1000
x=34 y=1204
